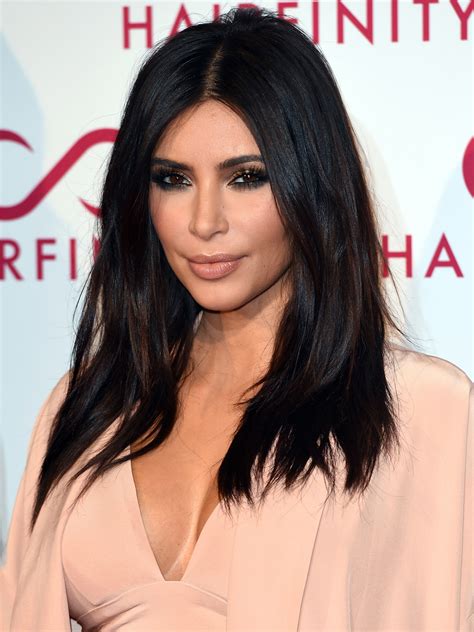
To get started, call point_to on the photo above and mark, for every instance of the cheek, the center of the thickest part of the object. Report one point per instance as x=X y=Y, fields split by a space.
x=166 y=222
x=268 y=234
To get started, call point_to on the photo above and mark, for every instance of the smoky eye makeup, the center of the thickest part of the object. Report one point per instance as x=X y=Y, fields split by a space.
x=167 y=178
x=251 y=177
x=246 y=178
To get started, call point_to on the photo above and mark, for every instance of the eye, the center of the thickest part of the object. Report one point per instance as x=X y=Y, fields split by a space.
x=249 y=178
x=159 y=177
x=252 y=177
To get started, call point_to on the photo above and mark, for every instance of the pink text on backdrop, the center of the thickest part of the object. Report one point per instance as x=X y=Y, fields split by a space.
x=143 y=19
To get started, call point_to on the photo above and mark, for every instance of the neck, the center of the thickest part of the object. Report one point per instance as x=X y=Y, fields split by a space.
x=235 y=347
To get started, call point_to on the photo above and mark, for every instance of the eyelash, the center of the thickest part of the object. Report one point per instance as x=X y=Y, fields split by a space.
x=158 y=176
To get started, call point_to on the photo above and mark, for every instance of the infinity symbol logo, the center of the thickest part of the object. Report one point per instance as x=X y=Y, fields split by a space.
x=105 y=135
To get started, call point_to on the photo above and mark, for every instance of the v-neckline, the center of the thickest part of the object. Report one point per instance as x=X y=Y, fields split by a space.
x=144 y=534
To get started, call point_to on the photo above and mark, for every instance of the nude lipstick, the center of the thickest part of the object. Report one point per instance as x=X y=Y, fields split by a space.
x=214 y=266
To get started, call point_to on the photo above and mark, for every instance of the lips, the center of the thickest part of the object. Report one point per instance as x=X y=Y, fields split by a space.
x=214 y=266
x=217 y=257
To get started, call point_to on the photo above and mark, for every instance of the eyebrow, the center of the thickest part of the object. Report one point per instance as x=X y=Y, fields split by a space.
x=225 y=164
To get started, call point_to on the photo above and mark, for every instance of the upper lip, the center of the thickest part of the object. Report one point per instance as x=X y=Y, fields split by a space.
x=218 y=256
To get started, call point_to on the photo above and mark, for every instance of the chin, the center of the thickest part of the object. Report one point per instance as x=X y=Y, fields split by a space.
x=212 y=302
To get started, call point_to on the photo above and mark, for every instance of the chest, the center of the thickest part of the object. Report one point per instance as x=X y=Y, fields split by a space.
x=176 y=484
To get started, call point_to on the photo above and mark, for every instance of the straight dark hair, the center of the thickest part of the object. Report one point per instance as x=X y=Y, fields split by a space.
x=326 y=390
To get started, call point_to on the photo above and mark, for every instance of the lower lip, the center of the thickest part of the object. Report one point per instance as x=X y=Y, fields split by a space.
x=214 y=270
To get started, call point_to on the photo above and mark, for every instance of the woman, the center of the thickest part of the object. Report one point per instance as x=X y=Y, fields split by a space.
x=238 y=444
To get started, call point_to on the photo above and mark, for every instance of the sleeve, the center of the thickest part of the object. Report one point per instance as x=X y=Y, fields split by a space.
x=467 y=561
x=18 y=533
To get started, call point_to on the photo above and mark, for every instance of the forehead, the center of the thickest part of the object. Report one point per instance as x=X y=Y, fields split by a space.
x=210 y=129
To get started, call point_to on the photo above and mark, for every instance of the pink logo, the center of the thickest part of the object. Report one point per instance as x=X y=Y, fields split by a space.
x=468 y=167
x=50 y=180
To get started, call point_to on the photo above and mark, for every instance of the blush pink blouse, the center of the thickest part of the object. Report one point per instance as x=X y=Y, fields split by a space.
x=111 y=591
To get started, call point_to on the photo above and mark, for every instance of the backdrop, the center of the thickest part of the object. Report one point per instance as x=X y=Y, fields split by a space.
x=405 y=69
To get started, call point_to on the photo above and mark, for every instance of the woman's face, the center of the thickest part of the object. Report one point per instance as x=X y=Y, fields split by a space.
x=202 y=209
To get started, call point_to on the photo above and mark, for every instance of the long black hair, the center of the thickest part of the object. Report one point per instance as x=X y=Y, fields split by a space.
x=326 y=390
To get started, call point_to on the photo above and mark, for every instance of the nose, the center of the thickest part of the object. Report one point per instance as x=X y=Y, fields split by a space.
x=208 y=216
